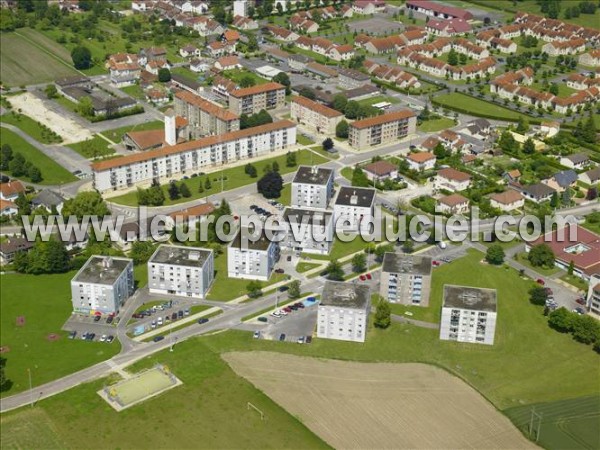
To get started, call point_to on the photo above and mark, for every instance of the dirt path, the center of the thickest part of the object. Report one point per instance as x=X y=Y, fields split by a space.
x=362 y=405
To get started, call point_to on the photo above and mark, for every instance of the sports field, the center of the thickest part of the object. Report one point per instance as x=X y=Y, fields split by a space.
x=379 y=405
x=141 y=386
x=24 y=60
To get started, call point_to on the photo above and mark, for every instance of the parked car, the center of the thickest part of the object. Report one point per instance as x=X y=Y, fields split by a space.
x=369 y=277
x=202 y=320
x=91 y=336
x=109 y=319
x=548 y=291
x=287 y=309
x=435 y=263
x=97 y=318
x=84 y=335
x=279 y=271
x=158 y=338
x=262 y=319
x=256 y=334
x=72 y=334
x=311 y=299
x=110 y=338
x=186 y=312
x=540 y=281
x=308 y=339
x=581 y=301
x=179 y=314
x=103 y=338
x=289 y=258
x=282 y=337
x=300 y=340
x=276 y=314
x=299 y=305
x=284 y=288
x=174 y=316
x=159 y=322
x=362 y=278
x=153 y=324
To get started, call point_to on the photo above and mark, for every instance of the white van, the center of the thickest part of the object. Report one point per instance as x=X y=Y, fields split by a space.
x=442 y=245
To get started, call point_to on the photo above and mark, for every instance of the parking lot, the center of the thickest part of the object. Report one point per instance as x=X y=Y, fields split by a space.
x=376 y=26
x=290 y=324
x=80 y=326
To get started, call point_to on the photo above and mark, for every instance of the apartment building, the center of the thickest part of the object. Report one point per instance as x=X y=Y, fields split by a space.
x=406 y=279
x=251 y=260
x=320 y=117
x=193 y=156
x=381 y=129
x=354 y=209
x=179 y=270
x=344 y=311
x=252 y=99
x=468 y=315
x=205 y=118
x=593 y=295
x=350 y=78
x=102 y=285
x=312 y=187
x=308 y=230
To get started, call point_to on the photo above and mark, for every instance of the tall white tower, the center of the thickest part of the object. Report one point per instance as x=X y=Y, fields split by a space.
x=170 y=127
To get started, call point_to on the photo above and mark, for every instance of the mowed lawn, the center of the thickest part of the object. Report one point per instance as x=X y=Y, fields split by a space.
x=44 y=301
x=234 y=177
x=477 y=107
x=432 y=126
x=23 y=62
x=52 y=172
x=209 y=410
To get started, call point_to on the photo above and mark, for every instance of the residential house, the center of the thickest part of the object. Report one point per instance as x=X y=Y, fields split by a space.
x=49 y=200
x=199 y=65
x=570 y=47
x=562 y=180
x=341 y=52
x=189 y=51
x=507 y=201
x=538 y=192
x=438 y=10
x=245 y=23
x=591 y=177
x=379 y=171
x=364 y=7
x=448 y=27
x=11 y=246
x=591 y=58
x=452 y=204
x=452 y=179
x=10 y=191
x=350 y=78
x=576 y=161
x=8 y=208
x=421 y=161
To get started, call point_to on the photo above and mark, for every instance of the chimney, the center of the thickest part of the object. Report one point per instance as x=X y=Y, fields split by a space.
x=354 y=198
x=170 y=127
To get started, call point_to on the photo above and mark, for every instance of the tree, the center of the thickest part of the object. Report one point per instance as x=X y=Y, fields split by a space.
x=586 y=329
x=341 y=129
x=44 y=257
x=85 y=203
x=35 y=174
x=382 y=250
x=86 y=107
x=541 y=255
x=275 y=166
x=562 y=320
x=554 y=201
x=383 y=314
x=352 y=109
x=334 y=271
x=359 y=178
x=553 y=89
x=6 y=155
x=294 y=289
x=440 y=151
x=51 y=91
x=5 y=383
x=339 y=102
x=408 y=246
x=252 y=45
x=141 y=251
x=250 y=170
x=592 y=193
x=283 y=79
x=529 y=147
x=164 y=75
x=495 y=254
x=507 y=142
x=207 y=184
x=247 y=81
x=270 y=185
x=254 y=289
x=184 y=190
x=327 y=144
x=308 y=93
x=23 y=204
x=523 y=125
x=359 y=262
x=538 y=295
x=17 y=165
x=82 y=57
x=589 y=129
x=290 y=159
x=453 y=57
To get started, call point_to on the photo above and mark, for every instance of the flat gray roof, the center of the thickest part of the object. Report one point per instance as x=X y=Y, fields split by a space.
x=180 y=256
x=312 y=175
x=466 y=297
x=296 y=215
x=261 y=244
x=414 y=264
x=346 y=295
x=102 y=270
x=355 y=196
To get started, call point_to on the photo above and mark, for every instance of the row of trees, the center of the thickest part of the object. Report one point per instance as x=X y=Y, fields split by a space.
x=17 y=164
x=584 y=328
x=353 y=109
x=260 y=118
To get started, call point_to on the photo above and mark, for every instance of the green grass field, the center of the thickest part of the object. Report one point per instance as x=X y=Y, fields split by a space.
x=476 y=107
x=52 y=172
x=432 y=126
x=24 y=61
x=45 y=303
x=235 y=178
x=95 y=147
x=135 y=91
x=31 y=127
x=566 y=424
x=237 y=75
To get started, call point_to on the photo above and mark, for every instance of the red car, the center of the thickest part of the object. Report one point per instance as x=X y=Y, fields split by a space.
x=435 y=263
x=581 y=301
x=369 y=277
x=540 y=281
x=362 y=278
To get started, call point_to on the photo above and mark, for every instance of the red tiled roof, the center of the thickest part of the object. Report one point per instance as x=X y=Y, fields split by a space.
x=203 y=209
x=421 y=157
x=11 y=188
x=453 y=174
x=384 y=118
x=205 y=105
x=317 y=107
x=507 y=197
x=453 y=200
x=257 y=89
x=381 y=168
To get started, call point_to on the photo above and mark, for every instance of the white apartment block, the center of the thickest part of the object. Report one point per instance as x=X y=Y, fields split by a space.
x=468 y=315
x=354 y=209
x=406 y=279
x=317 y=116
x=312 y=187
x=593 y=295
x=308 y=230
x=102 y=285
x=205 y=118
x=344 y=311
x=251 y=260
x=253 y=99
x=381 y=129
x=179 y=270
x=166 y=162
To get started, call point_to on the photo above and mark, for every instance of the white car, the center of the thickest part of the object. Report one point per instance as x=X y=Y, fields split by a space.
x=103 y=338
x=276 y=314
x=159 y=322
x=153 y=324
x=256 y=334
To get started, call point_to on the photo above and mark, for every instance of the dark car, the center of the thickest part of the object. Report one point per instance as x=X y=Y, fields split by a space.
x=72 y=334
x=263 y=319
x=91 y=336
x=308 y=340
x=581 y=301
x=282 y=337
x=97 y=318
x=158 y=338
x=202 y=320
x=284 y=288
x=109 y=319
x=279 y=271
x=110 y=338
x=289 y=258
x=540 y=281
x=174 y=316
x=179 y=314
x=300 y=305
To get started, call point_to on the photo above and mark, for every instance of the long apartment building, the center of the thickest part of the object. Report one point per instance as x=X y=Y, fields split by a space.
x=102 y=285
x=312 y=187
x=165 y=162
x=320 y=117
x=468 y=315
x=381 y=129
x=179 y=270
x=406 y=279
x=252 y=99
x=205 y=118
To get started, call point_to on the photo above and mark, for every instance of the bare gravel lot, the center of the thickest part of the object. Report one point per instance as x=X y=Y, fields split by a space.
x=379 y=405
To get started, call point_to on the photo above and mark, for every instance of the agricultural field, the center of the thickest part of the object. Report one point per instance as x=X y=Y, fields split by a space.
x=44 y=304
x=52 y=172
x=26 y=61
x=379 y=405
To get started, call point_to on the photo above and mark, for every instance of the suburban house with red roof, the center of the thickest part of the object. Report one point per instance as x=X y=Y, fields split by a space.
x=452 y=204
x=421 y=161
x=381 y=170
x=452 y=179
x=448 y=27
x=508 y=200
